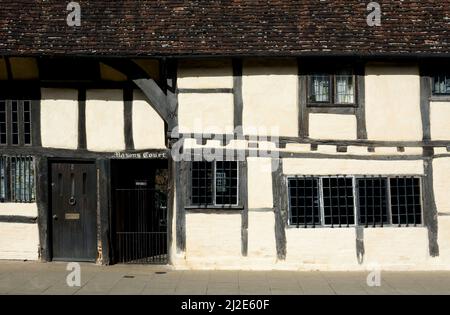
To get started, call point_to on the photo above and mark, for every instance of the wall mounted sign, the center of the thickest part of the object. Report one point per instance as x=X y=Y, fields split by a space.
x=141 y=155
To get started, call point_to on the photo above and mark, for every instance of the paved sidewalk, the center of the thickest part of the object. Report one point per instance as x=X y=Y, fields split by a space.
x=50 y=278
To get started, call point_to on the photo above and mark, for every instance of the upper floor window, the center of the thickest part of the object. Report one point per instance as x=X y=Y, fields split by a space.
x=214 y=183
x=332 y=89
x=441 y=84
x=15 y=122
x=17 y=179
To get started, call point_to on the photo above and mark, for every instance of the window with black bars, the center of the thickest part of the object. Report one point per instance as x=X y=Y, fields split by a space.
x=304 y=201
x=202 y=183
x=380 y=201
x=17 y=179
x=15 y=122
x=441 y=84
x=406 y=201
x=214 y=183
x=226 y=174
x=338 y=202
x=3 y=123
x=372 y=201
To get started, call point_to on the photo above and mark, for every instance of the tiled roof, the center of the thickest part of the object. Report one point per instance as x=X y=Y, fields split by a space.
x=234 y=27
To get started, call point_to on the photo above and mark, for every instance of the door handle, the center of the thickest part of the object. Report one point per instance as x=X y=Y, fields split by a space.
x=55 y=217
x=72 y=201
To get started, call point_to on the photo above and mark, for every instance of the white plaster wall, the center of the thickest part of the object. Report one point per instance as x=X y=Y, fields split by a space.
x=331 y=126
x=259 y=171
x=269 y=91
x=441 y=183
x=205 y=74
x=59 y=118
x=213 y=236
x=348 y=167
x=393 y=102
x=396 y=246
x=148 y=126
x=19 y=209
x=205 y=112
x=261 y=235
x=19 y=241
x=440 y=120
x=105 y=120
x=444 y=239
x=320 y=247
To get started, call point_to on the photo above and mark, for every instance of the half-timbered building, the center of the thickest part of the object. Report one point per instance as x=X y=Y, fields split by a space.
x=226 y=134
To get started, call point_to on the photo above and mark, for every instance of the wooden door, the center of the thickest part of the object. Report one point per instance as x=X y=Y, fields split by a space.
x=74 y=199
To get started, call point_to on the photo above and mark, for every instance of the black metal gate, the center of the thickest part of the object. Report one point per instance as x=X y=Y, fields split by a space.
x=141 y=226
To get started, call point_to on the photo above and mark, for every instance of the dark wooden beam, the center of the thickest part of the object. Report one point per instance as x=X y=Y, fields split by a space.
x=425 y=94
x=82 y=119
x=243 y=188
x=204 y=91
x=170 y=205
x=42 y=200
x=280 y=208
x=182 y=178
x=128 y=118
x=303 y=110
x=361 y=101
x=158 y=100
x=18 y=219
x=237 y=92
x=36 y=121
x=429 y=208
x=104 y=208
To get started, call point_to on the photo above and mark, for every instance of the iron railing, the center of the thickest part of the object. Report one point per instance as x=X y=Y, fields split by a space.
x=141 y=227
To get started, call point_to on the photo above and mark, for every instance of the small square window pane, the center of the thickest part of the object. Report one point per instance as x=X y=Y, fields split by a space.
x=320 y=88
x=345 y=87
x=441 y=84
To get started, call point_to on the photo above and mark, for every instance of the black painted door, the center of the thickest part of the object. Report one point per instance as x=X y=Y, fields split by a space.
x=74 y=196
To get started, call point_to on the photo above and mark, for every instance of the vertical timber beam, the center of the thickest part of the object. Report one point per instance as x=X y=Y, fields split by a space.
x=169 y=72
x=104 y=209
x=243 y=190
x=430 y=210
x=128 y=117
x=170 y=204
x=280 y=207
x=36 y=118
x=303 y=113
x=42 y=200
x=429 y=203
x=237 y=93
x=182 y=178
x=82 y=119
x=361 y=101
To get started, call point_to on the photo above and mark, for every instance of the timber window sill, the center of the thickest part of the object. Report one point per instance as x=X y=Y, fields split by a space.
x=331 y=105
x=440 y=98
x=215 y=207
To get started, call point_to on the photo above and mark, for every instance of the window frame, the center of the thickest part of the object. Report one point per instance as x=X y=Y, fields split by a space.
x=10 y=177
x=319 y=193
x=433 y=84
x=20 y=122
x=356 y=206
x=332 y=74
x=214 y=204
